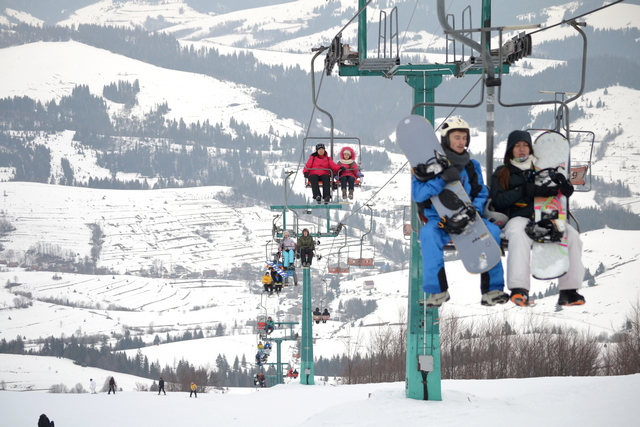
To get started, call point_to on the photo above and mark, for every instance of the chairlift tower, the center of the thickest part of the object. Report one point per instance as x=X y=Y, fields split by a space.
x=306 y=338
x=423 y=377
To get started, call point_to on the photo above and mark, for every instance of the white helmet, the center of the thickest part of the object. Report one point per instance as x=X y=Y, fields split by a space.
x=451 y=124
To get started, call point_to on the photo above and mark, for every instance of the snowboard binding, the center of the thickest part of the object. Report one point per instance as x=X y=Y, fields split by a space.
x=459 y=222
x=544 y=231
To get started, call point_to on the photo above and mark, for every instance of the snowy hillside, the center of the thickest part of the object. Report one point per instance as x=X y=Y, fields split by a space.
x=588 y=402
x=196 y=98
x=209 y=249
x=165 y=229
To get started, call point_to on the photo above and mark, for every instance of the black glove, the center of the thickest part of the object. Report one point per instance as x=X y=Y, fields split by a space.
x=306 y=175
x=450 y=174
x=422 y=174
x=532 y=190
x=566 y=188
x=342 y=169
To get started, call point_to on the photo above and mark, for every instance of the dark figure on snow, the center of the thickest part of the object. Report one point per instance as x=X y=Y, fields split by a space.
x=512 y=193
x=295 y=373
x=43 y=421
x=306 y=246
x=161 y=386
x=112 y=386
x=194 y=389
x=317 y=315
x=455 y=139
x=351 y=173
x=319 y=168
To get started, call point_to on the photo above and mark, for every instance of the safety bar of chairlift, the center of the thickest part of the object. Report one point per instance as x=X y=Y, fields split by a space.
x=331 y=175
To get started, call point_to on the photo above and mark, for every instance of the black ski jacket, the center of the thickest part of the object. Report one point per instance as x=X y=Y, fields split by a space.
x=514 y=200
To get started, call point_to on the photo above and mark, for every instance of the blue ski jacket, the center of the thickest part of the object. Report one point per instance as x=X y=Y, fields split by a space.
x=423 y=191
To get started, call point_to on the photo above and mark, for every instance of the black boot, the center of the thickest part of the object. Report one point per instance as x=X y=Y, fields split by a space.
x=570 y=297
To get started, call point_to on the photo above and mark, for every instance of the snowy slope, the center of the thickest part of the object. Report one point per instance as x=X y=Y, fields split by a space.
x=45 y=71
x=588 y=402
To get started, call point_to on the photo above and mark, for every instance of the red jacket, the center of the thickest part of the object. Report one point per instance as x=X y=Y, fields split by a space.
x=320 y=165
x=352 y=168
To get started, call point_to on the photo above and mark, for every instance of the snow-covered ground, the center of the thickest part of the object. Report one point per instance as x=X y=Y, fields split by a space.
x=554 y=401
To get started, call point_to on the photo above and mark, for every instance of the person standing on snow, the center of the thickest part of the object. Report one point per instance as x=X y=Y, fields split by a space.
x=454 y=139
x=318 y=169
x=512 y=193
x=161 y=386
x=92 y=386
x=112 y=386
x=350 y=173
x=194 y=389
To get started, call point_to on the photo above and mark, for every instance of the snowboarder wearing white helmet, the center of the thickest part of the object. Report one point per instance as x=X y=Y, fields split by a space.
x=455 y=140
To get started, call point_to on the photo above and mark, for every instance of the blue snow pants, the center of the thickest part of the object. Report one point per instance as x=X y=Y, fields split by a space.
x=432 y=241
x=288 y=257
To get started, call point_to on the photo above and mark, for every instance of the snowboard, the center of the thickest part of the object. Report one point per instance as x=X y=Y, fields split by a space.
x=550 y=259
x=280 y=271
x=476 y=246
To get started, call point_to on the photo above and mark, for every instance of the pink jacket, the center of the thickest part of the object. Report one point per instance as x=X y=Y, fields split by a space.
x=352 y=168
x=320 y=165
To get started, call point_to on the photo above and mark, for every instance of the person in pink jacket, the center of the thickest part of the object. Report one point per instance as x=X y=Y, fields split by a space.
x=351 y=171
x=319 y=168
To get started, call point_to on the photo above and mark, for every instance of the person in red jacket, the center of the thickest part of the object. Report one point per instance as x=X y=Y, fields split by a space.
x=320 y=167
x=351 y=172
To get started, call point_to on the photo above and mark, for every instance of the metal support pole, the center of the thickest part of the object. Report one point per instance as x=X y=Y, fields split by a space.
x=423 y=332
x=490 y=101
x=306 y=343
x=279 y=363
x=362 y=32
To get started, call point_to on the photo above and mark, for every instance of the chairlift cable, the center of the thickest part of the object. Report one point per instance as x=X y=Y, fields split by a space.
x=406 y=163
x=564 y=21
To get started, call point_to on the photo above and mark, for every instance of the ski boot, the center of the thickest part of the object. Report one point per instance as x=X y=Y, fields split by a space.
x=570 y=297
x=520 y=297
x=494 y=297
x=436 y=300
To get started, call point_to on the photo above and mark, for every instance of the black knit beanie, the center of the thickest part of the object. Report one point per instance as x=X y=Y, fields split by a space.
x=517 y=136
